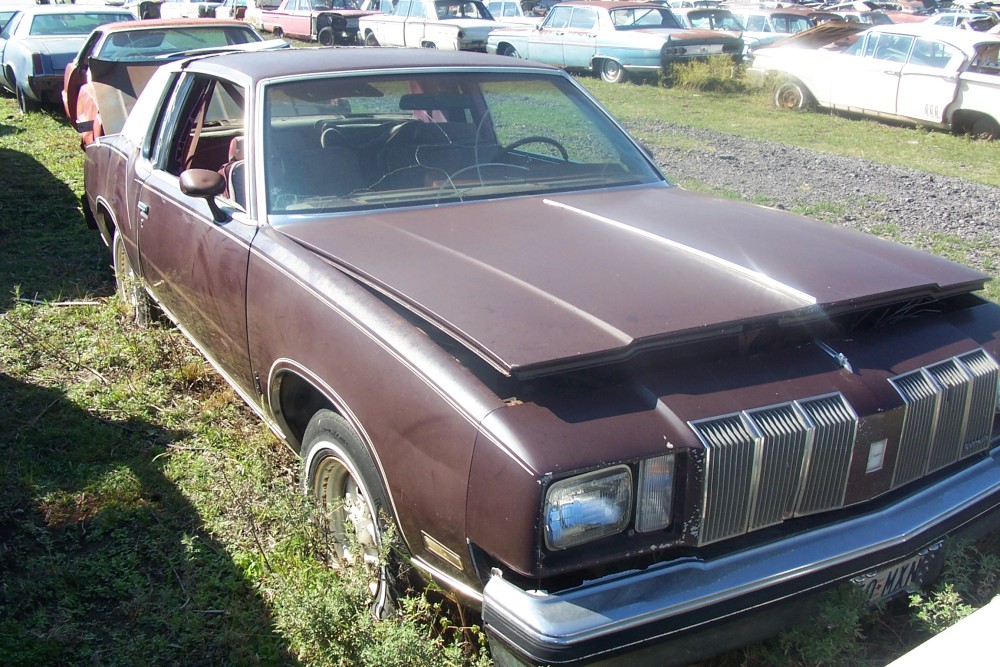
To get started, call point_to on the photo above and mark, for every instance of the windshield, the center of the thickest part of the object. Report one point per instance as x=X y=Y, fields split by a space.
x=717 y=19
x=73 y=24
x=346 y=143
x=142 y=44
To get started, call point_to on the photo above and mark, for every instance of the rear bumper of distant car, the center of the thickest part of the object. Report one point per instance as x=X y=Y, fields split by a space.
x=702 y=607
x=46 y=87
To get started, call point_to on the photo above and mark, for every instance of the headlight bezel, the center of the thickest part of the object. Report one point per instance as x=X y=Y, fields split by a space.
x=571 y=513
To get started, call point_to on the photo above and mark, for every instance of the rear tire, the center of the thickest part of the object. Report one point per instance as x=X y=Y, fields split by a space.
x=325 y=37
x=985 y=128
x=792 y=95
x=612 y=72
x=24 y=103
x=340 y=475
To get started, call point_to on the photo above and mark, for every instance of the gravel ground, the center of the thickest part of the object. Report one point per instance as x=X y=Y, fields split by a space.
x=851 y=191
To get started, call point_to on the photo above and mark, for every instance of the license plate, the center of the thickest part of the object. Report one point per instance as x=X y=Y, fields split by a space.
x=887 y=582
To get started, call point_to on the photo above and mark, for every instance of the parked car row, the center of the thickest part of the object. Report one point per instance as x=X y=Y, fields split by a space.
x=38 y=41
x=628 y=423
x=96 y=61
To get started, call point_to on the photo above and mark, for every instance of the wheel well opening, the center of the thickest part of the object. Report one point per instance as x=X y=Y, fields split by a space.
x=298 y=401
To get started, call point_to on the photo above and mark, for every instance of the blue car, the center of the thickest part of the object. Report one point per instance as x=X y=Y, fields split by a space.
x=38 y=42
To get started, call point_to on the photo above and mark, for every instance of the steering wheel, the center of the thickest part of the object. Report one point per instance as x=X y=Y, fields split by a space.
x=533 y=140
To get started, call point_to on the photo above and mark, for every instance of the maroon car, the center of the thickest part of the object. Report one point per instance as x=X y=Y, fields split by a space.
x=623 y=420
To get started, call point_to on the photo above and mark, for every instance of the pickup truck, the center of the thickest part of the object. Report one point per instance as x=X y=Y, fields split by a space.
x=453 y=25
x=917 y=73
x=328 y=22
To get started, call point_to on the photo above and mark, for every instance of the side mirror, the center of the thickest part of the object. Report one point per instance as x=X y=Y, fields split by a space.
x=205 y=184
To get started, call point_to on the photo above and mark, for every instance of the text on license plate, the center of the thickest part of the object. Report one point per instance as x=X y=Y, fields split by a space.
x=885 y=583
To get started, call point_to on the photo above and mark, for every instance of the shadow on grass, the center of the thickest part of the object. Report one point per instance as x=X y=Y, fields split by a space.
x=102 y=560
x=48 y=253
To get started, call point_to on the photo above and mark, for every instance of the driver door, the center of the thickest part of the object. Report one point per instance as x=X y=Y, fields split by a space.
x=194 y=265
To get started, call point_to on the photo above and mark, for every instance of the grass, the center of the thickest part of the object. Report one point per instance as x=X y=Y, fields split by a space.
x=147 y=517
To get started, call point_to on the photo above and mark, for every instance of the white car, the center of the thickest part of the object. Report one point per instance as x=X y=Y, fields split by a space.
x=452 y=25
x=924 y=74
x=188 y=9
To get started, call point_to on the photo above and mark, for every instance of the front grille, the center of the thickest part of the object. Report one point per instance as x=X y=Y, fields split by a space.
x=949 y=413
x=765 y=465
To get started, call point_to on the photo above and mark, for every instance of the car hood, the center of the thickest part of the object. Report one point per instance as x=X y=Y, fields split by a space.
x=61 y=50
x=117 y=83
x=538 y=285
x=821 y=35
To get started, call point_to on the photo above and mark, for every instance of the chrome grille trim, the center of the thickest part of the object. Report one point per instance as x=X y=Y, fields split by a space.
x=985 y=374
x=948 y=413
x=825 y=481
x=766 y=465
x=730 y=476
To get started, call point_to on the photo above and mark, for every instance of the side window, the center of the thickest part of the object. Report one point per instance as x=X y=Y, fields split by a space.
x=8 y=29
x=893 y=48
x=403 y=8
x=202 y=127
x=558 y=17
x=757 y=24
x=929 y=53
x=987 y=59
x=583 y=18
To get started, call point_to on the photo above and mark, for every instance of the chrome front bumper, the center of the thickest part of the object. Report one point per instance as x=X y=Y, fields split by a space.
x=632 y=611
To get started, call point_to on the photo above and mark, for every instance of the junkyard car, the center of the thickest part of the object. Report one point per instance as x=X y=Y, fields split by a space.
x=188 y=9
x=608 y=412
x=101 y=84
x=328 y=22
x=454 y=25
x=919 y=73
x=717 y=18
x=783 y=21
x=614 y=39
x=39 y=41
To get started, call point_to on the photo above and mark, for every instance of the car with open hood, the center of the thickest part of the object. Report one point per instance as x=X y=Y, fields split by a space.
x=614 y=39
x=622 y=420
x=915 y=72
x=102 y=82
x=38 y=42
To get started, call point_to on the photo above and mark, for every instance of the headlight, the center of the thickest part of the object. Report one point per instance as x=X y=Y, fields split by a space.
x=587 y=507
x=656 y=493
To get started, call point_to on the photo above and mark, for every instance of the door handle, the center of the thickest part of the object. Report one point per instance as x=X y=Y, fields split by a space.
x=143 y=208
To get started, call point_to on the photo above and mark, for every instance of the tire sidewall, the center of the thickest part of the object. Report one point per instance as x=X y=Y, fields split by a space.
x=325 y=37
x=330 y=435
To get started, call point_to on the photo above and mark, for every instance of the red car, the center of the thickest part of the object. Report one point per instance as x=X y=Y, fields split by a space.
x=102 y=83
x=624 y=420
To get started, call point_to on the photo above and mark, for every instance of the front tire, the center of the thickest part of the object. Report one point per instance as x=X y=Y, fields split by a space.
x=130 y=288
x=510 y=52
x=370 y=40
x=325 y=37
x=792 y=95
x=338 y=472
x=612 y=72
x=279 y=33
